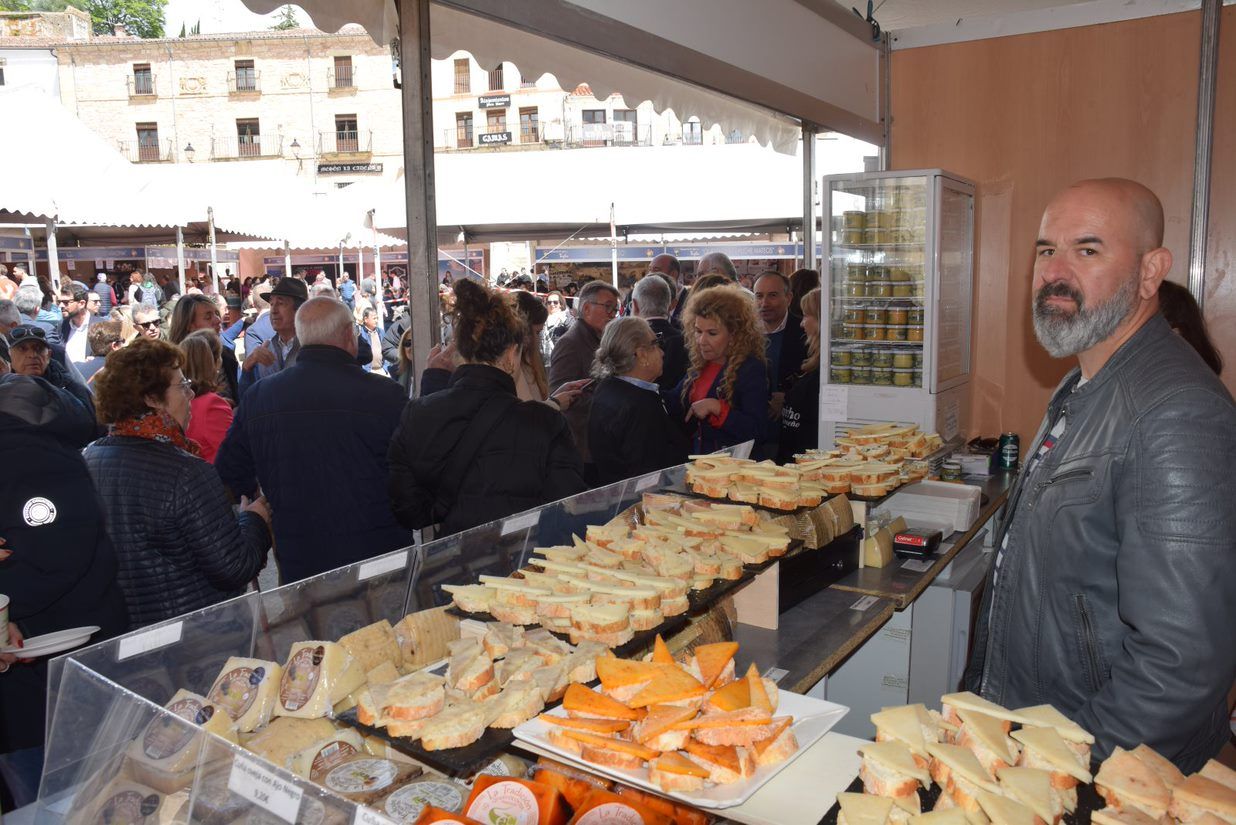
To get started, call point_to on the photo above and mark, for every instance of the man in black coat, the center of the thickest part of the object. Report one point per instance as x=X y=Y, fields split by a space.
x=61 y=573
x=315 y=436
x=651 y=301
x=787 y=348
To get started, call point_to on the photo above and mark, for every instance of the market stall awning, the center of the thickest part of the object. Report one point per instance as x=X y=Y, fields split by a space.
x=736 y=64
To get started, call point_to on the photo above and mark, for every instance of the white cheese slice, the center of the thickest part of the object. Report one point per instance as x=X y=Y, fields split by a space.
x=317 y=676
x=246 y=689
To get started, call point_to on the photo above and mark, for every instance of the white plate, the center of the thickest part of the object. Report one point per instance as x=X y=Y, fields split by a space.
x=49 y=643
x=812 y=719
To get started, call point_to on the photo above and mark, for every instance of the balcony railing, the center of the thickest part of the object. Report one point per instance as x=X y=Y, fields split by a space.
x=340 y=77
x=345 y=142
x=141 y=85
x=244 y=83
x=141 y=152
x=255 y=146
x=529 y=134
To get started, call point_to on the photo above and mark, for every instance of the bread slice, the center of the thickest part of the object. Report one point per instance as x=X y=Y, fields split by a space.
x=1044 y=748
x=580 y=701
x=1032 y=788
x=559 y=739
x=724 y=763
x=889 y=769
x=642 y=620
x=552 y=680
x=668 y=588
x=1125 y=816
x=469 y=666
x=1046 y=716
x=455 y=727
x=560 y=553
x=1220 y=773
x=1006 y=811
x=902 y=724
x=581 y=666
x=675 y=773
x=470 y=598
x=513 y=592
x=521 y=615
x=516 y=705
x=675 y=606
x=599 y=726
x=779 y=746
x=863 y=809
x=560 y=605
x=415 y=696
x=609 y=743
x=616 y=639
x=1167 y=772
x=639 y=597
x=1125 y=781
x=599 y=619
x=549 y=647
x=1198 y=796
x=667 y=562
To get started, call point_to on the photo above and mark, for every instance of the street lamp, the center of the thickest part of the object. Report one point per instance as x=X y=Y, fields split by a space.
x=190 y=152
x=295 y=148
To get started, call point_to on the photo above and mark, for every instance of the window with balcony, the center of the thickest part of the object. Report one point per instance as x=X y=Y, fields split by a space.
x=347 y=136
x=529 y=128
x=594 y=127
x=495 y=79
x=691 y=132
x=142 y=80
x=463 y=76
x=495 y=121
x=245 y=78
x=341 y=73
x=463 y=130
x=147 y=143
x=527 y=82
x=626 y=126
x=248 y=138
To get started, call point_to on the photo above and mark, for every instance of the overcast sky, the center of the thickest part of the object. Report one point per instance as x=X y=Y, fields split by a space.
x=218 y=16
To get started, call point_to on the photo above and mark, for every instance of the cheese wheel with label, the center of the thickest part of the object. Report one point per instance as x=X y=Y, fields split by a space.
x=366 y=779
x=125 y=803
x=246 y=689
x=316 y=676
x=513 y=801
x=325 y=754
x=409 y=803
x=169 y=744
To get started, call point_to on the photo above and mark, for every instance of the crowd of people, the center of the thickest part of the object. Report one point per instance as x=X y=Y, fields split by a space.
x=176 y=440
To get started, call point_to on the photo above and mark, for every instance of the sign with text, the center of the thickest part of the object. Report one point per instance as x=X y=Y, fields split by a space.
x=349 y=168
x=252 y=782
x=494 y=138
x=493 y=101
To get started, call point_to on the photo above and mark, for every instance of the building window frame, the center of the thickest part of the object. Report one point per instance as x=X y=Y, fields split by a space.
x=463 y=76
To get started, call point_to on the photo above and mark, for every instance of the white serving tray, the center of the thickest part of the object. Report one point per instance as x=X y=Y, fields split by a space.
x=812 y=719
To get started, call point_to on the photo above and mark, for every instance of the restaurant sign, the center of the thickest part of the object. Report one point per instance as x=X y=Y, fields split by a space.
x=349 y=168
x=493 y=101
x=494 y=138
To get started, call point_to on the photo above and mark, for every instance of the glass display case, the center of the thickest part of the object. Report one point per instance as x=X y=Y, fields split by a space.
x=896 y=332
x=107 y=700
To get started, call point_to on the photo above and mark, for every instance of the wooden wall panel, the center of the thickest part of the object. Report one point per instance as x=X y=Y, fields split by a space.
x=1024 y=117
x=1220 y=299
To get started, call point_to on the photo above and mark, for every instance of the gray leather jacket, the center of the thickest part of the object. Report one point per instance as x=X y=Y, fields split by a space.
x=1115 y=599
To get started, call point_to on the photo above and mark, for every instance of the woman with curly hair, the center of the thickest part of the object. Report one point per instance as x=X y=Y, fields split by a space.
x=723 y=398
x=474 y=452
x=179 y=546
x=800 y=413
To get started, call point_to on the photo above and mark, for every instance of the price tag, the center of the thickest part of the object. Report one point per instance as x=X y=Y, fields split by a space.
x=367 y=816
x=864 y=603
x=396 y=561
x=252 y=782
x=917 y=565
x=647 y=481
x=149 y=640
x=834 y=403
x=517 y=523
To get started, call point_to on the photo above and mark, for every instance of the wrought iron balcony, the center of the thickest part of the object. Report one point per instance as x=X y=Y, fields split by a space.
x=340 y=77
x=345 y=142
x=252 y=146
x=244 y=83
x=141 y=85
x=137 y=151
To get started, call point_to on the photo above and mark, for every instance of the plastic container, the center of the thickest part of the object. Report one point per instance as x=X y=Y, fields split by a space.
x=917 y=380
x=903 y=377
x=856 y=272
x=896 y=332
x=902 y=289
x=840 y=375
x=882 y=376
x=915 y=315
x=854 y=332
x=903 y=360
x=873 y=235
x=854 y=219
x=853 y=236
x=879 y=289
x=875 y=314
x=874 y=332
x=855 y=289
x=861 y=356
x=914 y=332
x=842 y=357
x=854 y=314
x=897 y=315
x=860 y=375
x=882 y=358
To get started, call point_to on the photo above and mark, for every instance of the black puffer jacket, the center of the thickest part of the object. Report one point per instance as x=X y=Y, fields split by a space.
x=179 y=545
x=525 y=460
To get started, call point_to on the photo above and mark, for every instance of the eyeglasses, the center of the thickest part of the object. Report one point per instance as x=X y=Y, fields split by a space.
x=611 y=309
x=553 y=303
x=25 y=333
x=185 y=385
x=146 y=324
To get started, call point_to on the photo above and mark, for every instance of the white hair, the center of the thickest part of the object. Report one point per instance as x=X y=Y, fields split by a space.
x=323 y=321
x=28 y=300
x=653 y=296
x=324 y=290
x=10 y=316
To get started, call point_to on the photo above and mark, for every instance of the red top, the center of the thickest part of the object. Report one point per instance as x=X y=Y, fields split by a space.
x=211 y=417
x=699 y=391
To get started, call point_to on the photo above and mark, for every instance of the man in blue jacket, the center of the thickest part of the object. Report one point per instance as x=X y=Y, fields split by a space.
x=314 y=437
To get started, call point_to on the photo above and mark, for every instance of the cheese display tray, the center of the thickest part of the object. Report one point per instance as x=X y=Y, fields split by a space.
x=463 y=761
x=641 y=641
x=1088 y=801
x=812 y=719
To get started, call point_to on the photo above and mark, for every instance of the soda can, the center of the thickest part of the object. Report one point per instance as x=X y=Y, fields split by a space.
x=1009 y=451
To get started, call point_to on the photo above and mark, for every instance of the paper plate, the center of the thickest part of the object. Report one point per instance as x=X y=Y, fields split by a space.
x=49 y=643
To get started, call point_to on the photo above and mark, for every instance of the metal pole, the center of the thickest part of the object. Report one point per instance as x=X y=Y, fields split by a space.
x=1202 y=151
x=415 y=66
x=613 y=246
x=214 y=250
x=180 y=257
x=808 y=233
x=340 y=278
x=377 y=267
x=287 y=259
x=53 y=256
x=30 y=253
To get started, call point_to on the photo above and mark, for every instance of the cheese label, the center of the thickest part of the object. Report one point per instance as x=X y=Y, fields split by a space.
x=611 y=813
x=330 y=756
x=237 y=689
x=505 y=803
x=301 y=677
x=165 y=737
x=407 y=803
x=495 y=768
x=128 y=808
x=362 y=776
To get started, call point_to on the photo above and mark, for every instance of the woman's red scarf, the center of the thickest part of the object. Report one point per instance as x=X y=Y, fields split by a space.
x=156 y=426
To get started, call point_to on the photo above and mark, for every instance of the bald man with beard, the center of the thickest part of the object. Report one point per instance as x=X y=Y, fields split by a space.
x=1113 y=592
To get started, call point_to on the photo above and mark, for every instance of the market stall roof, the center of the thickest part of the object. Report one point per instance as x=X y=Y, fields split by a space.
x=807 y=59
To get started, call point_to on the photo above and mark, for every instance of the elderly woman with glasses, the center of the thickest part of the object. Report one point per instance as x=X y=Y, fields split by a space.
x=628 y=427
x=179 y=546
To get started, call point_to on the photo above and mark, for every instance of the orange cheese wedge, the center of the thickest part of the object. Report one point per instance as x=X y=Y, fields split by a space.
x=585 y=702
x=660 y=719
x=759 y=696
x=674 y=762
x=724 y=755
x=619 y=745
x=713 y=658
x=743 y=717
x=592 y=725
x=782 y=722
x=616 y=673
x=660 y=652
x=672 y=685
x=734 y=696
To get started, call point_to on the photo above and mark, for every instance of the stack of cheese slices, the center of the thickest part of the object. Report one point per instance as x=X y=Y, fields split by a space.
x=990 y=772
x=690 y=723
x=623 y=579
x=871 y=461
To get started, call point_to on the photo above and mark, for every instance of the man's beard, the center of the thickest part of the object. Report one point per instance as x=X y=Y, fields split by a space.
x=1063 y=334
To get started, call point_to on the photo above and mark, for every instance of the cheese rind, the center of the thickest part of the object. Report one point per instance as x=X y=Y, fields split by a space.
x=317 y=675
x=168 y=743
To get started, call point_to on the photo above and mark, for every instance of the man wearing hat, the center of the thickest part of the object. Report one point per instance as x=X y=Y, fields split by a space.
x=280 y=350
x=30 y=354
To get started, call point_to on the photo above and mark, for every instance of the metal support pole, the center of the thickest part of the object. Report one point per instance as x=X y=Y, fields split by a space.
x=1207 y=72
x=422 y=233
x=30 y=253
x=340 y=278
x=377 y=267
x=287 y=259
x=808 y=233
x=53 y=256
x=214 y=251
x=180 y=256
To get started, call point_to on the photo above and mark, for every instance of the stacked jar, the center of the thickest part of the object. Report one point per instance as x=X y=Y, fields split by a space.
x=852 y=225
x=860 y=365
x=839 y=365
